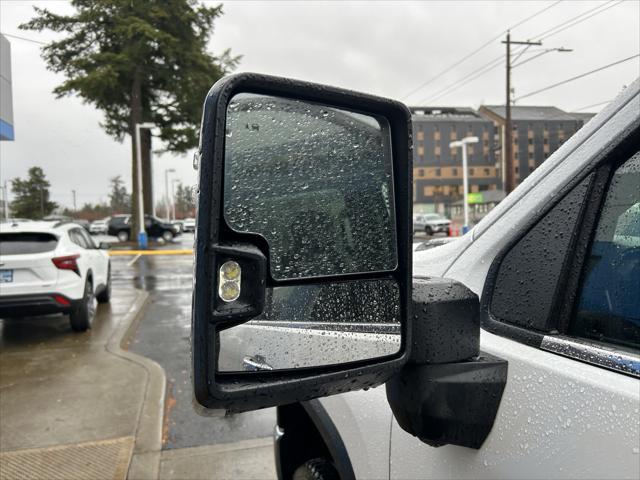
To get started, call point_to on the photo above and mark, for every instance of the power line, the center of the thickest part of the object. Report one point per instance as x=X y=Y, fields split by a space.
x=23 y=38
x=487 y=67
x=545 y=34
x=577 y=77
x=481 y=47
x=590 y=106
x=551 y=32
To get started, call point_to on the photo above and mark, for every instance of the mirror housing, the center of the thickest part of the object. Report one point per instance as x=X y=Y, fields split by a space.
x=242 y=391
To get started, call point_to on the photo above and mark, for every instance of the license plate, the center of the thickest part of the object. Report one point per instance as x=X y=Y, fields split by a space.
x=6 y=276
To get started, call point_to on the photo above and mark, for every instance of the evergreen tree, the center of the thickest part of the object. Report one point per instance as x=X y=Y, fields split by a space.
x=32 y=196
x=119 y=198
x=137 y=61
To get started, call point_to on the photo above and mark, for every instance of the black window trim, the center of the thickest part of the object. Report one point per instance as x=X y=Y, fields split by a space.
x=603 y=166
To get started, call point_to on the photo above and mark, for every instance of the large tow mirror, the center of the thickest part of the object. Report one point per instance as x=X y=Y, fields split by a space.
x=303 y=268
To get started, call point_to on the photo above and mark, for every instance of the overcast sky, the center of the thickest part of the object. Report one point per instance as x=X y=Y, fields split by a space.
x=385 y=48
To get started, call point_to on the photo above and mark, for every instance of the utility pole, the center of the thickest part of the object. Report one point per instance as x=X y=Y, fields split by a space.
x=5 y=198
x=507 y=155
x=75 y=208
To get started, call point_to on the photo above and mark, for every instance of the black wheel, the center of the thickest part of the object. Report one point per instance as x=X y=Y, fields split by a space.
x=167 y=236
x=316 y=469
x=82 y=315
x=123 y=235
x=105 y=295
x=428 y=230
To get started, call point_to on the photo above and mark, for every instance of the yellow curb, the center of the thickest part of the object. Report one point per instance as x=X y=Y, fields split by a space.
x=150 y=252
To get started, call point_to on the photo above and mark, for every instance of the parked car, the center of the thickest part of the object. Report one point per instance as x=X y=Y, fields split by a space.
x=519 y=352
x=430 y=223
x=63 y=218
x=120 y=226
x=99 y=227
x=189 y=224
x=179 y=224
x=52 y=268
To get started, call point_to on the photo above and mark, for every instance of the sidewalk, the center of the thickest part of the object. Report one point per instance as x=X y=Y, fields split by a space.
x=77 y=405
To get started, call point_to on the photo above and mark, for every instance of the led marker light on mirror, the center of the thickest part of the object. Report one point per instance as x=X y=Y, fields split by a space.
x=229 y=281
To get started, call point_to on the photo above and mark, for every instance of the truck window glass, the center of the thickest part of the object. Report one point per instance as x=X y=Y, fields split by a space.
x=608 y=307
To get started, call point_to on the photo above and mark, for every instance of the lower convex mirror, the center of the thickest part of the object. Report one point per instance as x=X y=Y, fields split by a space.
x=315 y=325
x=302 y=250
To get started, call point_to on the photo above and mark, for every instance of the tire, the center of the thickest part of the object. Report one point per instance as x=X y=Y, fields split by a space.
x=167 y=236
x=105 y=295
x=123 y=236
x=316 y=469
x=428 y=230
x=82 y=315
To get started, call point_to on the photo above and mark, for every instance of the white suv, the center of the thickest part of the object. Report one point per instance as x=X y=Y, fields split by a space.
x=47 y=268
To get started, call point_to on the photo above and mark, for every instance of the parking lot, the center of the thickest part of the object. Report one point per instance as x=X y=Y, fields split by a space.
x=123 y=388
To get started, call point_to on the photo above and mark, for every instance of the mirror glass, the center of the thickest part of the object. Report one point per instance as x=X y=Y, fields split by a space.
x=314 y=181
x=313 y=325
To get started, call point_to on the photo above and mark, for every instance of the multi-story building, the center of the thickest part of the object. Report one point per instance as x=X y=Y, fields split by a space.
x=537 y=133
x=437 y=169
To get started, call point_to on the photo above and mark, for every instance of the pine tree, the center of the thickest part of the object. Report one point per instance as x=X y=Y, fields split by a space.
x=138 y=61
x=31 y=196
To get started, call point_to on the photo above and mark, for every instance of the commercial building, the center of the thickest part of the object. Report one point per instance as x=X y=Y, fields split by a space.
x=6 y=99
x=537 y=133
x=437 y=169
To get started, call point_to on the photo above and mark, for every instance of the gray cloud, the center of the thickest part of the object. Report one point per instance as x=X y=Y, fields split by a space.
x=385 y=48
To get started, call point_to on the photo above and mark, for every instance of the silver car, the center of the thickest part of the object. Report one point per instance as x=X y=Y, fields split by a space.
x=430 y=223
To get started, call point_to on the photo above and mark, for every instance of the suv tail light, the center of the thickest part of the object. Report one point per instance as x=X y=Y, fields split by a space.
x=67 y=263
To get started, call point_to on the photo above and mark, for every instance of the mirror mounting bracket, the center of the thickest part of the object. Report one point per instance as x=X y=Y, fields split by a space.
x=448 y=392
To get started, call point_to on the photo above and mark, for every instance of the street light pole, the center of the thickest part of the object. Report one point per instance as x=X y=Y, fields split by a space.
x=166 y=192
x=173 y=197
x=142 y=234
x=465 y=176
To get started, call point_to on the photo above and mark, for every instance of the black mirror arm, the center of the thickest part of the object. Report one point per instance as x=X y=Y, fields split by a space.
x=448 y=392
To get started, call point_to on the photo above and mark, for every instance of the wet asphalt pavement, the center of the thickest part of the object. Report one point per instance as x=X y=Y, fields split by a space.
x=163 y=336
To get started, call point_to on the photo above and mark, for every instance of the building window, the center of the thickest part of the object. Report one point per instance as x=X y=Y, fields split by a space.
x=420 y=135
x=486 y=143
x=487 y=172
x=421 y=172
x=531 y=141
x=438 y=173
x=530 y=156
x=454 y=172
x=546 y=154
x=517 y=170
x=438 y=158
x=427 y=191
x=484 y=188
x=515 y=155
x=471 y=170
x=545 y=141
x=420 y=151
